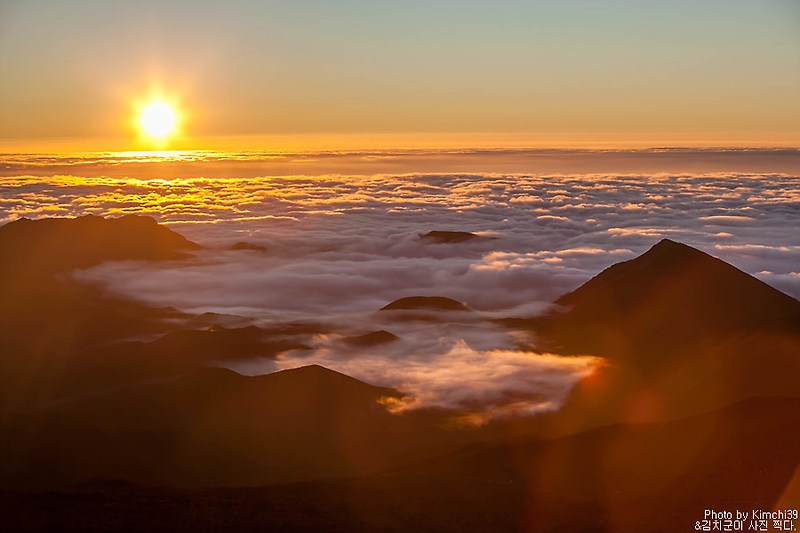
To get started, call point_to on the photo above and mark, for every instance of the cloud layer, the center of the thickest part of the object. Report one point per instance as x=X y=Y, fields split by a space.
x=482 y=384
x=552 y=231
x=340 y=248
x=462 y=363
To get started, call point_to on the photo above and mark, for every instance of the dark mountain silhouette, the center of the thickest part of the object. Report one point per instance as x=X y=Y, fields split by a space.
x=675 y=290
x=220 y=343
x=684 y=332
x=207 y=320
x=43 y=305
x=242 y=245
x=212 y=426
x=425 y=303
x=449 y=237
x=373 y=338
x=671 y=297
x=46 y=317
x=97 y=370
x=60 y=244
x=623 y=478
x=129 y=363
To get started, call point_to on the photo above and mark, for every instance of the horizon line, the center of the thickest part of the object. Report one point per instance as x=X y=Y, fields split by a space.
x=386 y=141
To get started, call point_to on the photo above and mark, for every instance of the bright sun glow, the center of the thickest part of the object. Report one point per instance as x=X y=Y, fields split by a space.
x=158 y=120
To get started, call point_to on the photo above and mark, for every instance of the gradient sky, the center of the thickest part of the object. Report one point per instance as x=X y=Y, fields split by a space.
x=715 y=69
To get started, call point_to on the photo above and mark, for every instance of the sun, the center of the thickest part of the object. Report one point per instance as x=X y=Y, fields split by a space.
x=158 y=120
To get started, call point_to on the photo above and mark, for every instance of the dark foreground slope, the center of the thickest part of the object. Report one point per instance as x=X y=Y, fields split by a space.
x=623 y=478
x=214 y=427
x=46 y=317
x=39 y=256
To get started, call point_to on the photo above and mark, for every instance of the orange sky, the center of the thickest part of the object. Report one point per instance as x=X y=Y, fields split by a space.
x=356 y=74
x=299 y=143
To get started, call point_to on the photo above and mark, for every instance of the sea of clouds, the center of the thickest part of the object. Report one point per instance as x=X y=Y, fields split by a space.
x=338 y=248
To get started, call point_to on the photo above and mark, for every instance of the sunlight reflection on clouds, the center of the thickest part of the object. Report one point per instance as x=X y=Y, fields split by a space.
x=381 y=215
x=339 y=248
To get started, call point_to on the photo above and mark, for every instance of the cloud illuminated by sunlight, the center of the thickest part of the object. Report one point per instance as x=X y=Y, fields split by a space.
x=485 y=384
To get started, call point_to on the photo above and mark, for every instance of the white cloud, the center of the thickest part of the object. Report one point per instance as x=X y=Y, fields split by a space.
x=447 y=373
x=727 y=220
x=339 y=248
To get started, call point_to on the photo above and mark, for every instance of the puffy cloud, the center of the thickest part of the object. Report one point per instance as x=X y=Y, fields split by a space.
x=727 y=220
x=484 y=384
x=788 y=282
x=463 y=363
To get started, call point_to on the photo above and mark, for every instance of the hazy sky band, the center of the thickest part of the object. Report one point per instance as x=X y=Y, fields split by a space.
x=715 y=68
x=249 y=164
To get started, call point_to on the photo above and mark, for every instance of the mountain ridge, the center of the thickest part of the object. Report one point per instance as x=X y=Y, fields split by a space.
x=673 y=290
x=59 y=244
